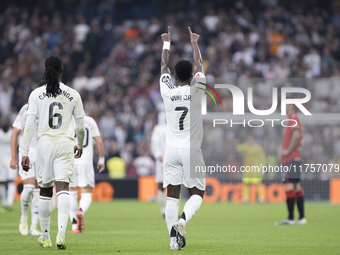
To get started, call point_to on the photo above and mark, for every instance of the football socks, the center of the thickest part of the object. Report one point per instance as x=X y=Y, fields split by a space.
x=63 y=211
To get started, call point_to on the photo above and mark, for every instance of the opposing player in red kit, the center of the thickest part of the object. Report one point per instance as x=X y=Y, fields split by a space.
x=291 y=159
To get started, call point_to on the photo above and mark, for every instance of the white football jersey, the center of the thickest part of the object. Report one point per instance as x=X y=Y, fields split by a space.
x=91 y=130
x=184 y=128
x=55 y=113
x=5 y=147
x=19 y=123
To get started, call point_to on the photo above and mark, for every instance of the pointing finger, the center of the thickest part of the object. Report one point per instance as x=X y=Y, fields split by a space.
x=189 y=30
x=169 y=30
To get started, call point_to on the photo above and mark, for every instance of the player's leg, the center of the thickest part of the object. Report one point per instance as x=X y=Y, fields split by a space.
x=195 y=182
x=192 y=205
x=35 y=210
x=161 y=199
x=11 y=188
x=63 y=169
x=63 y=211
x=245 y=190
x=300 y=203
x=45 y=215
x=290 y=199
x=25 y=200
x=86 y=184
x=86 y=199
x=3 y=193
x=44 y=176
x=73 y=191
x=171 y=212
x=173 y=178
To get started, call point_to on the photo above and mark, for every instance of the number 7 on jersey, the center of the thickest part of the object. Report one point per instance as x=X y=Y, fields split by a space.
x=181 y=119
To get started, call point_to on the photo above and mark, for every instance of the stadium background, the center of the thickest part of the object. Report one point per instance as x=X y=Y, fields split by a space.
x=111 y=54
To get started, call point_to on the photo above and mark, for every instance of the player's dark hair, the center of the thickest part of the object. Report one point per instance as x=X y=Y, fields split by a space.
x=183 y=70
x=53 y=68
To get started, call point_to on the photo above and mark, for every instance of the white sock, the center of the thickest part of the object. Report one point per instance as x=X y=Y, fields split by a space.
x=161 y=200
x=171 y=212
x=35 y=208
x=85 y=201
x=3 y=193
x=45 y=216
x=63 y=211
x=25 y=199
x=11 y=190
x=190 y=208
x=73 y=208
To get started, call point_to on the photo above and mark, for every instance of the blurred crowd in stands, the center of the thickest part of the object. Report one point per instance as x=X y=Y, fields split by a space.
x=111 y=54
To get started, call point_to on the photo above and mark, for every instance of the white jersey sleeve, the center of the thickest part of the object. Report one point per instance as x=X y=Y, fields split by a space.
x=18 y=123
x=94 y=127
x=183 y=104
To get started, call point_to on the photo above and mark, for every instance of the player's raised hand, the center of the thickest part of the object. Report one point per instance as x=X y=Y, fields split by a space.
x=166 y=37
x=77 y=152
x=193 y=36
x=25 y=163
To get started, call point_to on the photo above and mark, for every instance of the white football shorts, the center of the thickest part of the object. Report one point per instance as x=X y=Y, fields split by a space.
x=179 y=168
x=159 y=172
x=55 y=161
x=83 y=176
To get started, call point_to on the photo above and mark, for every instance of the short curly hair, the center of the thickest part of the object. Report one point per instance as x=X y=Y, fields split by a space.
x=183 y=70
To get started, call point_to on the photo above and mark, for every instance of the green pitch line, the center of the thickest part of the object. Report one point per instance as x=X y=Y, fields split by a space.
x=131 y=227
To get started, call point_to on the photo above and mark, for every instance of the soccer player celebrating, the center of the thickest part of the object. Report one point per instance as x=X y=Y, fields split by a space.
x=54 y=104
x=291 y=158
x=28 y=178
x=184 y=134
x=158 y=150
x=84 y=175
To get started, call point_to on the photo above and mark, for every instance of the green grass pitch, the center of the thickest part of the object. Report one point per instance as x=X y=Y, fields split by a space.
x=132 y=227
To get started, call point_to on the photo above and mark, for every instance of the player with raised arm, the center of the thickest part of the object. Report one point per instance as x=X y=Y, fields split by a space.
x=54 y=104
x=291 y=159
x=158 y=150
x=83 y=176
x=28 y=178
x=184 y=133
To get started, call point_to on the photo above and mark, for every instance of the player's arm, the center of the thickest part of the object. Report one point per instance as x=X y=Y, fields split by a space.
x=78 y=149
x=79 y=114
x=166 y=38
x=27 y=138
x=197 y=53
x=293 y=142
x=31 y=115
x=14 y=145
x=101 y=151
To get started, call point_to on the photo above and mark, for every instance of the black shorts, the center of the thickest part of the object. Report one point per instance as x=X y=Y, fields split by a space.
x=294 y=172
